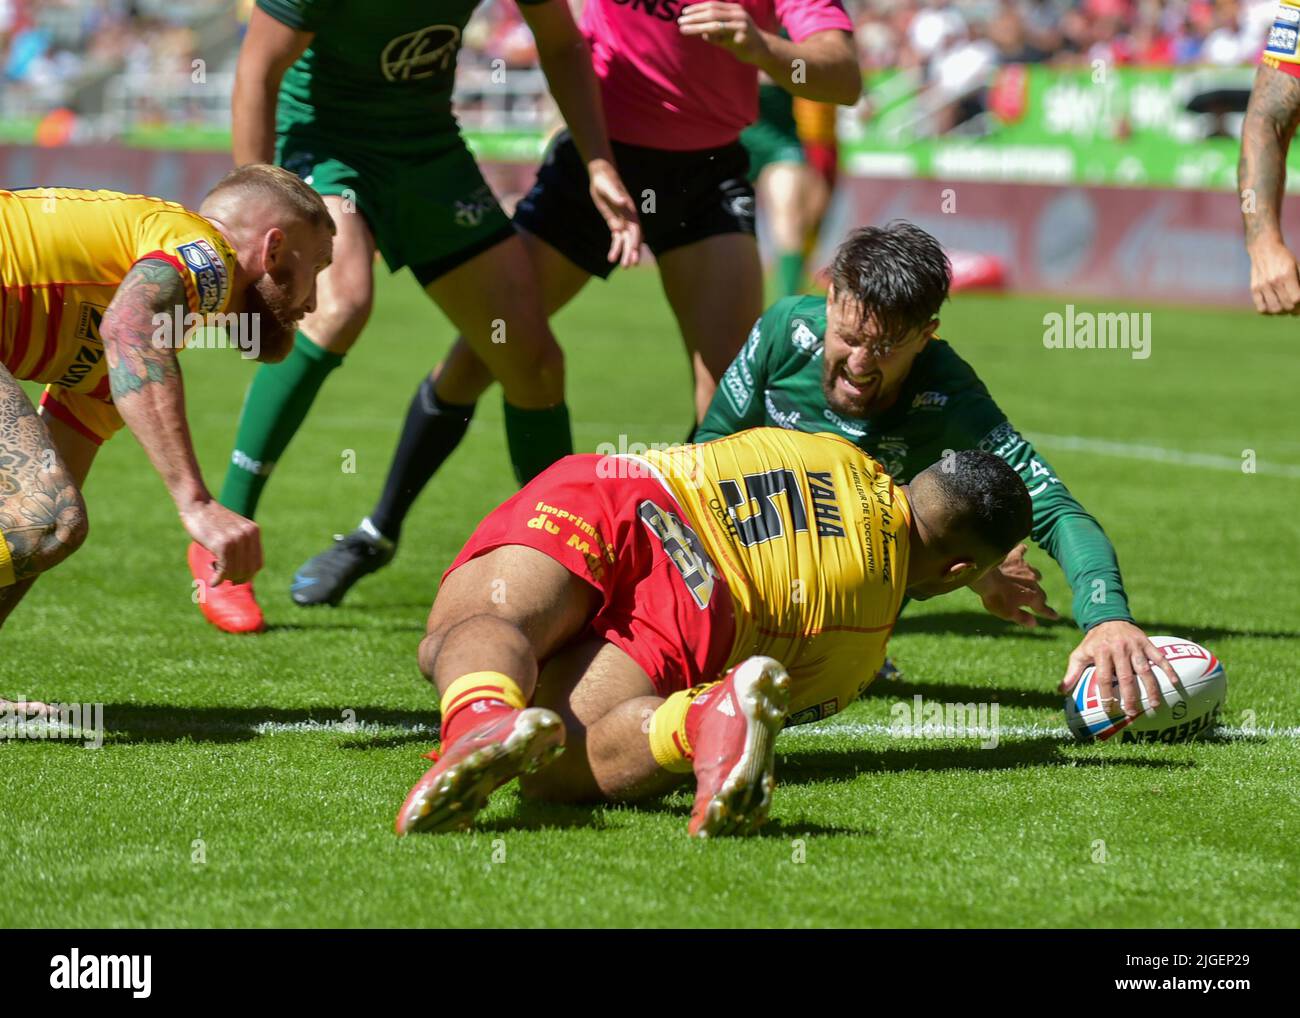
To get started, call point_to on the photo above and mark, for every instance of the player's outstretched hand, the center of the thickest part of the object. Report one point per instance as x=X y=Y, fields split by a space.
x=619 y=212
x=1120 y=650
x=1012 y=587
x=235 y=542
x=725 y=25
x=1274 y=279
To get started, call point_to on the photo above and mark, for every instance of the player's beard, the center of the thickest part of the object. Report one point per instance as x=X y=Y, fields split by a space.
x=872 y=402
x=277 y=319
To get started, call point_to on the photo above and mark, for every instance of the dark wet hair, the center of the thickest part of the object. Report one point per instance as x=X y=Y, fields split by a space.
x=898 y=273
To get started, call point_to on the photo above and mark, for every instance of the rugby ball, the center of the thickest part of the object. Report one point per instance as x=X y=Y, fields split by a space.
x=1188 y=708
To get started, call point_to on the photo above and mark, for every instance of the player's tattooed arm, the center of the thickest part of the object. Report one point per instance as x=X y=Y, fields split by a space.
x=153 y=287
x=144 y=376
x=149 y=394
x=1271 y=120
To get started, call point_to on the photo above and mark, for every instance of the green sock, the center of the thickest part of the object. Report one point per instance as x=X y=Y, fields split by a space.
x=275 y=407
x=537 y=438
x=789 y=272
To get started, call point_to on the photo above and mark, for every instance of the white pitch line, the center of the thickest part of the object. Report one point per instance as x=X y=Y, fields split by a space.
x=32 y=727
x=1158 y=454
x=354 y=728
x=875 y=729
x=868 y=729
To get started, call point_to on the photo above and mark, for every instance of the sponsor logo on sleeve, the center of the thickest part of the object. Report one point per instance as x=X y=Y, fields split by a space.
x=739 y=369
x=737 y=392
x=1002 y=441
x=803 y=338
x=930 y=401
x=1284 y=35
x=211 y=280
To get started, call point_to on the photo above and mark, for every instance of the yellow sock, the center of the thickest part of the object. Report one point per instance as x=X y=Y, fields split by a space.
x=476 y=686
x=668 y=741
x=7 y=577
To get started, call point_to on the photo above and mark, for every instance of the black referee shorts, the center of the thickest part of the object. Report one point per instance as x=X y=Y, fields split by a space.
x=680 y=197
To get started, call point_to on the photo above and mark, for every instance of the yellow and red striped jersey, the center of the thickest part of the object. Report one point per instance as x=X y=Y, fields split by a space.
x=812 y=538
x=63 y=253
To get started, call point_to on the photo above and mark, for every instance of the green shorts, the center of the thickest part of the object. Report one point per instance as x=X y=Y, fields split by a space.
x=431 y=212
x=769 y=143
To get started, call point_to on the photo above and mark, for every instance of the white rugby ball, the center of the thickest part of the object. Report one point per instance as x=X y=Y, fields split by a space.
x=1188 y=708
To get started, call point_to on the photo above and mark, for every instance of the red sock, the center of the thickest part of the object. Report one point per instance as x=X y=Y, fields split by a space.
x=702 y=698
x=471 y=716
x=475 y=698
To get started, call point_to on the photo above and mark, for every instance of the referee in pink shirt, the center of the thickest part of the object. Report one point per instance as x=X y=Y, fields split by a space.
x=679 y=82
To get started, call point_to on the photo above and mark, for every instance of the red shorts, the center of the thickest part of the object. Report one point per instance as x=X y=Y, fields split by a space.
x=824 y=158
x=662 y=601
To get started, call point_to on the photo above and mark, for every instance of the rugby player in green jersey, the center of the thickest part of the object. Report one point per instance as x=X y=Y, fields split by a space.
x=876 y=374
x=783 y=180
x=356 y=99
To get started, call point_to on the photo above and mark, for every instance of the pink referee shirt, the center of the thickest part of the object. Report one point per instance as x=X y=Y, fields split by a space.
x=666 y=90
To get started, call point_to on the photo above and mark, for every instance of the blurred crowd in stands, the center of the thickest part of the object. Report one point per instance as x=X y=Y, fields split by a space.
x=954 y=45
x=916 y=33
x=950 y=36
x=1161 y=33
x=47 y=44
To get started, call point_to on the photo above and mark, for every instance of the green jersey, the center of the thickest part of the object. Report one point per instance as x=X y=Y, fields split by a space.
x=379 y=73
x=776 y=381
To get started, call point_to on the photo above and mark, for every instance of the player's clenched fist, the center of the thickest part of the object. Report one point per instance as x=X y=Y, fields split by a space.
x=235 y=542
x=1274 y=279
x=725 y=25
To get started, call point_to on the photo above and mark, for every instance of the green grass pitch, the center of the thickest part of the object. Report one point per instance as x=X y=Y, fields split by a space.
x=232 y=791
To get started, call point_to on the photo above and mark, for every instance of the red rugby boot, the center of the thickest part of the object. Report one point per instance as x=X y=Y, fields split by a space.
x=732 y=730
x=455 y=788
x=228 y=606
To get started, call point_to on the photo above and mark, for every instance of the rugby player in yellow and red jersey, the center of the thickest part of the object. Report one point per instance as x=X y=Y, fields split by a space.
x=597 y=607
x=91 y=285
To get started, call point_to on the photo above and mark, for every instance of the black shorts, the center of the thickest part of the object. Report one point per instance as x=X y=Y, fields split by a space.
x=693 y=195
